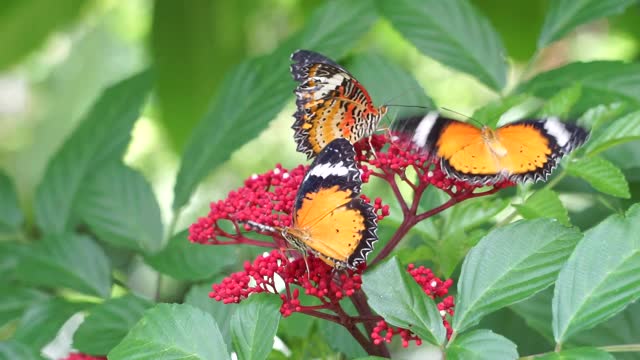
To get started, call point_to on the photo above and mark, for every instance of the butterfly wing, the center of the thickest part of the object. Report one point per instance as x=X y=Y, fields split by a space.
x=336 y=223
x=522 y=151
x=534 y=147
x=330 y=103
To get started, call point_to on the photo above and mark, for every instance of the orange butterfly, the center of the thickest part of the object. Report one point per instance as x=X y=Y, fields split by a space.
x=330 y=220
x=526 y=150
x=331 y=104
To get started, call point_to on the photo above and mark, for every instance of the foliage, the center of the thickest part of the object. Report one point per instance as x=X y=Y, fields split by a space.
x=562 y=258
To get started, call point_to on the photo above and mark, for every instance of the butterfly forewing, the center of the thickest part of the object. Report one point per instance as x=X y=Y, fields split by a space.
x=330 y=103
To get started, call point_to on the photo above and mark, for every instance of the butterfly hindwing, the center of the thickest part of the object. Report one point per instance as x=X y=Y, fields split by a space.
x=330 y=104
x=335 y=223
x=526 y=150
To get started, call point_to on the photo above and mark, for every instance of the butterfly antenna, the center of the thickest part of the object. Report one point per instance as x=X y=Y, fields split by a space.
x=463 y=115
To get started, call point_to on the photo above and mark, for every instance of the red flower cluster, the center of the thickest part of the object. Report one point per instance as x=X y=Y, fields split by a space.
x=81 y=356
x=433 y=287
x=320 y=281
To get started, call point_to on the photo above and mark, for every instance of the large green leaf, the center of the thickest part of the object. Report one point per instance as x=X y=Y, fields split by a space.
x=198 y=296
x=536 y=312
x=255 y=91
x=184 y=260
x=543 y=203
x=510 y=264
x=565 y=15
x=42 y=321
x=15 y=300
x=11 y=350
x=562 y=102
x=602 y=82
x=10 y=214
x=600 y=115
x=395 y=295
x=119 y=206
x=480 y=345
x=618 y=131
x=103 y=135
x=601 y=277
x=453 y=33
x=11 y=253
x=339 y=339
x=603 y=175
x=172 y=332
x=108 y=323
x=387 y=82
x=25 y=24
x=196 y=57
x=254 y=325
x=578 y=354
x=70 y=261
x=620 y=329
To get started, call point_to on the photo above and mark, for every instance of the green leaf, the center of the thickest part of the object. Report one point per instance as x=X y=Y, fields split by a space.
x=184 y=260
x=10 y=255
x=543 y=203
x=618 y=131
x=603 y=175
x=453 y=33
x=103 y=135
x=185 y=59
x=198 y=296
x=119 y=206
x=386 y=81
x=42 y=321
x=620 y=329
x=339 y=339
x=578 y=354
x=11 y=350
x=25 y=24
x=256 y=90
x=481 y=344
x=70 y=261
x=15 y=300
x=601 y=277
x=172 y=331
x=11 y=217
x=602 y=82
x=254 y=325
x=599 y=115
x=108 y=323
x=564 y=15
x=562 y=102
x=396 y=296
x=510 y=264
x=536 y=312
x=490 y=113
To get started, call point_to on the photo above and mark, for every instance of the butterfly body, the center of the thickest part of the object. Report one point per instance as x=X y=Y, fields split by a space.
x=330 y=103
x=330 y=220
x=526 y=150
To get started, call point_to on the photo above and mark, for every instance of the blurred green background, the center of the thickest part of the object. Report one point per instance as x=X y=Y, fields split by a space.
x=55 y=60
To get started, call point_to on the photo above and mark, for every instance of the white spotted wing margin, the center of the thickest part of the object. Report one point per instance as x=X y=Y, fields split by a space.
x=334 y=166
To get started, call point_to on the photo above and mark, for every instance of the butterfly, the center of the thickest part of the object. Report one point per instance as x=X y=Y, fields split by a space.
x=526 y=150
x=330 y=220
x=330 y=103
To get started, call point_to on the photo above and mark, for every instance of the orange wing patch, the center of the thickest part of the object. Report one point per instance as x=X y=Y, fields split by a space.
x=333 y=233
x=523 y=151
